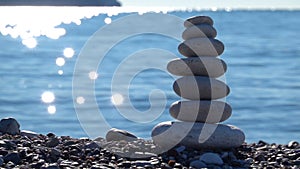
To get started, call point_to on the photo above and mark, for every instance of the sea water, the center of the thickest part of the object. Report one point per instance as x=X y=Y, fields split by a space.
x=38 y=58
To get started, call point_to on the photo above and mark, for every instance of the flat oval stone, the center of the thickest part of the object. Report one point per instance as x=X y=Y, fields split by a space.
x=200 y=88
x=197 y=135
x=200 y=111
x=195 y=20
x=117 y=135
x=199 y=31
x=197 y=47
x=197 y=66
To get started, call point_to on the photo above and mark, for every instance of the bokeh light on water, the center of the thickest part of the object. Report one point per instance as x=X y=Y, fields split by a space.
x=60 y=61
x=117 y=99
x=51 y=109
x=69 y=52
x=48 y=97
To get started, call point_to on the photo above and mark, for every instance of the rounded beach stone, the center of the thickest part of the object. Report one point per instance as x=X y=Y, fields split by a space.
x=213 y=136
x=28 y=133
x=9 y=126
x=197 y=66
x=199 y=31
x=197 y=47
x=200 y=88
x=199 y=110
x=211 y=158
x=195 y=20
x=118 y=135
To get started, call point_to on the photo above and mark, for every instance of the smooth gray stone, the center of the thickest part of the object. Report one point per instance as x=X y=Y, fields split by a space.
x=195 y=20
x=200 y=111
x=28 y=133
x=213 y=136
x=197 y=164
x=197 y=66
x=118 y=135
x=9 y=126
x=200 y=88
x=211 y=158
x=197 y=47
x=1 y=161
x=13 y=157
x=199 y=31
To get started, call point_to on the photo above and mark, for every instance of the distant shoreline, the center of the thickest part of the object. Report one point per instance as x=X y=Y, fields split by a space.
x=59 y=3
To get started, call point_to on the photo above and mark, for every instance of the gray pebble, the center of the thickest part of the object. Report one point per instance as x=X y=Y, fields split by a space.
x=53 y=142
x=141 y=163
x=9 y=126
x=198 y=164
x=28 y=133
x=92 y=145
x=180 y=149
x=118 y=135
x=1 y=161
x=195 y=20
x=199 y=31
x=200 y=88
x=211 y=158
x=293 y=144
x=198 y=47
x=13 y=157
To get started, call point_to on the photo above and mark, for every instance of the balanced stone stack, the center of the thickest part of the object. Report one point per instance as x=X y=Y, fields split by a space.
x=198 y=116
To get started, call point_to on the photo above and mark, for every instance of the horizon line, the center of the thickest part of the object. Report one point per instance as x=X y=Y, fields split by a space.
x=162 y=8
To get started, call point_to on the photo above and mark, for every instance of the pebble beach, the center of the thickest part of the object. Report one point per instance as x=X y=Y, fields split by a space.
x=25 y=149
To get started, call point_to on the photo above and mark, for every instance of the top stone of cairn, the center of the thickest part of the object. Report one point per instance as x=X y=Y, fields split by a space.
x=197 y=20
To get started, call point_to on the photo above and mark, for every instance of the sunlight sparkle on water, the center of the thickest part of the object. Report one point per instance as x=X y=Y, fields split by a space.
x=107 y=20
x=30 y=42
x=80 y=100
x=60 y=72
x=29 y=22
x=60 y=61
x=117 y=99
x=48 y=97
x=93 y=75
x=51 y=109
x=69 y=52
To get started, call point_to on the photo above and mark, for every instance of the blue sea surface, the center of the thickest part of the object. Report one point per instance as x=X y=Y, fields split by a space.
x=262 y=51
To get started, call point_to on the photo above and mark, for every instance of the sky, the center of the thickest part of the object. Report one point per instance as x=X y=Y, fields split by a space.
x=278 y=4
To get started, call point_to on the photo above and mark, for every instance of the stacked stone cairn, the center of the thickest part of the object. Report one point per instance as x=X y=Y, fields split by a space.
x=198 y=115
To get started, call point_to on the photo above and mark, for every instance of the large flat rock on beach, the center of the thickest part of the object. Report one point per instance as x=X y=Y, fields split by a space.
x=213 y=136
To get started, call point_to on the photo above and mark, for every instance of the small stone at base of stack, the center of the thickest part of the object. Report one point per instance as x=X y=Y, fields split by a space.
x=200 y=114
